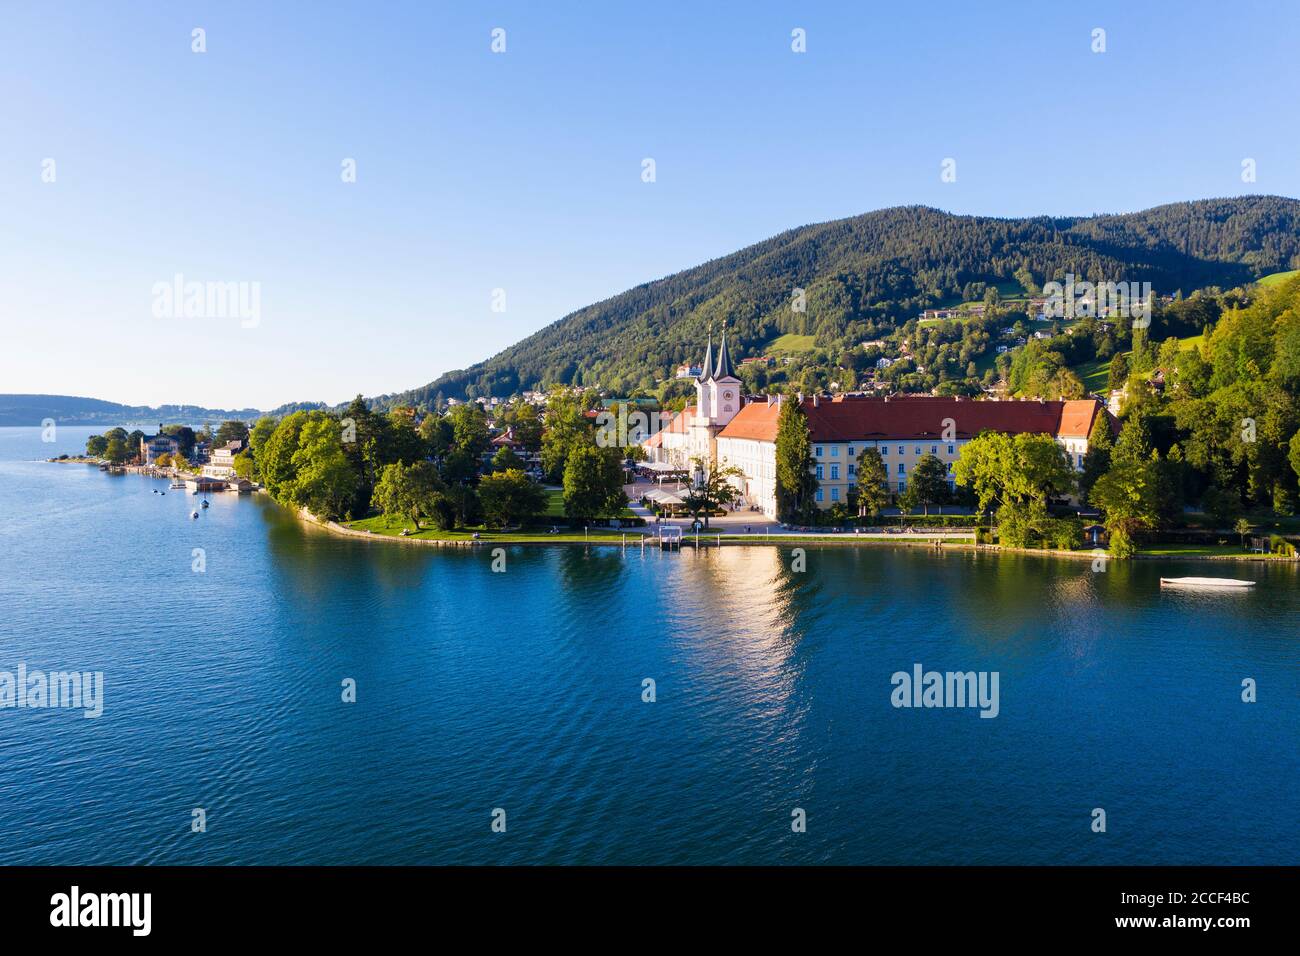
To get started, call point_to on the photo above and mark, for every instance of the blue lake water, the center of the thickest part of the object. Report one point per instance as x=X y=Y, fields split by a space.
x=523 y=691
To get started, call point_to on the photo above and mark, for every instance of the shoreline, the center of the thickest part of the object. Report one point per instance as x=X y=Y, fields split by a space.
x=714 y=539
x=784 y=540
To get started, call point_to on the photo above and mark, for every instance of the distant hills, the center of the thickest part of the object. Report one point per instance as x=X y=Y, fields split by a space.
x=865 y=276
x=70 y=410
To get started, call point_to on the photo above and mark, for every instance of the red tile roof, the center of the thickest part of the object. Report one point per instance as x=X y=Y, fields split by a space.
x=859 y=418
x=756 y=421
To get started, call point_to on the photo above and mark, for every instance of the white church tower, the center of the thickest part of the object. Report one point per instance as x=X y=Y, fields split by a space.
x=717 y=400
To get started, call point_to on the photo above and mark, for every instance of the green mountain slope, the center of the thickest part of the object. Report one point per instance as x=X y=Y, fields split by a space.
x=866 y=275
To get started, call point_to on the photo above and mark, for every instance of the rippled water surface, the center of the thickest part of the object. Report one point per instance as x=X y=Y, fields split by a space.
x=523 y=691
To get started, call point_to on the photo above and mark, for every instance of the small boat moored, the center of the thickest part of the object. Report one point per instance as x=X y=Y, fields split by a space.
x=194 y=514
x=205 y=502
x=1206 y=583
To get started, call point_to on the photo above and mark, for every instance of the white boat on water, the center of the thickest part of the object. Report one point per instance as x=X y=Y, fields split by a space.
x=1207 y=583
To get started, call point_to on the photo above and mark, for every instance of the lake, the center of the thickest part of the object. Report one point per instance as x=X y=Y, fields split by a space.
x=523 y=691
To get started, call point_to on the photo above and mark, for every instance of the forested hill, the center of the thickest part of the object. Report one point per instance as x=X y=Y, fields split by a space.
x=867 y=275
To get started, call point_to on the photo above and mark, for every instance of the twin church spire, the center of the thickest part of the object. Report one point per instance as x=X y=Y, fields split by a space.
x=722 y=367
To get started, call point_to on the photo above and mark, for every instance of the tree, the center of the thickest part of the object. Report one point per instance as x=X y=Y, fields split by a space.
x=469 y=431
x=1134 y=440
x=1129 y=500
x=463 y=505
x=245 y=465
x=1040 y=469
x=928 y=484
x=1222 y=505
x=593 y=482
x=96 y=446
x=795 y=483
x=410 y=491
x=511 y=497
x=712 y=489
x=1097 y=459
x=116 y=450
x=435 y=431
x=230 y=431
x=1117 y=375
x=275 y=461
x=566 y=428
x=365 y=444
x=403 y=441
x=872 y=483
x=982 y=466
x=1293 y=453
x=324 y=481
x=260 y=434
x=1014 y=469
x=506 y=460
x=184 y=436
x=1242 y=528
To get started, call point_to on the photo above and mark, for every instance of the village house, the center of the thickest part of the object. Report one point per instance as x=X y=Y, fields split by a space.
x=152 y=447
x=222 y=462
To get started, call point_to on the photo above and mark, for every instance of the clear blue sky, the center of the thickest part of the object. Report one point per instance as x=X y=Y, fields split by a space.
x=522 y=170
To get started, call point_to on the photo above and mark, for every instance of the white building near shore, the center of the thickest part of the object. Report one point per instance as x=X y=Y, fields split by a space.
x=721 y=426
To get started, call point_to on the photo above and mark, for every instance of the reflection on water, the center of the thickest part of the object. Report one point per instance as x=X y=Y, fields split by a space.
x=523 y=690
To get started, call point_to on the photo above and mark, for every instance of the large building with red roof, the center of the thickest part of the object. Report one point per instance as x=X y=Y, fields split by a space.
x=901 y=428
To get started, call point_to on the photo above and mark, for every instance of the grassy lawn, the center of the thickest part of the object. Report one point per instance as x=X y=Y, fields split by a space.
x=555 y=506
x=392 y=527
x=790 y=343
x=1095 y=374
x=1232 y=550
x=1277 y=278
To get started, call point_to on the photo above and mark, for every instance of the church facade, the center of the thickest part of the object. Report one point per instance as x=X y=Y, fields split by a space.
x=693 y=433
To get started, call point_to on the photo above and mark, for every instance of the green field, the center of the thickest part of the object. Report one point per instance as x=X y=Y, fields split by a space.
x=1096 y=374
x=393 y=527
x=1277 y=278
x=790 y=342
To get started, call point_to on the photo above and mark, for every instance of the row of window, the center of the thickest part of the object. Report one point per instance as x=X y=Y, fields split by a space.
x=853 y=471
x=819 y=450
x=835 y=492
